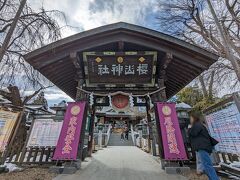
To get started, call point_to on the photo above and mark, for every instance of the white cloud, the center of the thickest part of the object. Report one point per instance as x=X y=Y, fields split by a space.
x=88 y=14
x=53 y=95
x=96 y=13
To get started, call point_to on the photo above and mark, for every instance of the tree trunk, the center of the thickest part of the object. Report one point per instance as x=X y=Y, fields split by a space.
x=11 y=30
x=15 y=96
x=210 y=88
x=225 y=39
x=204 y=89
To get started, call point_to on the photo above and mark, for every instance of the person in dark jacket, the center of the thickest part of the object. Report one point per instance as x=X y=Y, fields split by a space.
x=201 y=143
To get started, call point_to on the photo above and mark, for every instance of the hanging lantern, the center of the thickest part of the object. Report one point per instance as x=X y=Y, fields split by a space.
x=131 y=101
x=120 y=102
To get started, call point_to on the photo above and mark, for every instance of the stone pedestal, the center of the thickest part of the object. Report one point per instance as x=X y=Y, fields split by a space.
x=68 y=168
x=177 y=170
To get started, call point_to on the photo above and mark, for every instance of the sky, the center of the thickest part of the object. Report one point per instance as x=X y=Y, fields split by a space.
x=89 y=14
x=83 y=15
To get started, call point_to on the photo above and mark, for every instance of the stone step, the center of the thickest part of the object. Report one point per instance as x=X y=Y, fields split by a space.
x=115 y=140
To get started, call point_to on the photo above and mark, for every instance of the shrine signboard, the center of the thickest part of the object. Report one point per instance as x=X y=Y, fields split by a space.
x=121 y=69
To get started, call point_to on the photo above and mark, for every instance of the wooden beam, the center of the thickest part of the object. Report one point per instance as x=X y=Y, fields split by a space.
x=162 y=75
x=167 y=59
x=178 y=74
x=74 y=57
x=58 y=69
x=78 y=75
x=40 y=64
x=66 y=83
x=175 y=85
x=186 y=66
x=120 y=46
x=183 y=74
x=187 y=72
x=68 y=76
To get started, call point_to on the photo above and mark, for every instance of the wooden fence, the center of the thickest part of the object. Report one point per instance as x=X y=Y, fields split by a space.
x=32 y=155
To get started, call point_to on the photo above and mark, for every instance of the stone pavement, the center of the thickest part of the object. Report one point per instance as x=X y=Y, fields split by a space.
x=120 y=163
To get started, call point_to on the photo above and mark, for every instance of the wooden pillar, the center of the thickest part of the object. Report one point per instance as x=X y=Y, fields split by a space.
x=91 y=132
x=150 y=136
x=82 y=136
x=160 y=97
x=80 y=95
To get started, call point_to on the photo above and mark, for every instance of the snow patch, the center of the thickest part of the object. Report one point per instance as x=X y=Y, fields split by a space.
x=12 y=167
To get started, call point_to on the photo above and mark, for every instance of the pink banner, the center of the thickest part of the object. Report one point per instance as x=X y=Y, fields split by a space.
x=173 y=145
x=67 y=146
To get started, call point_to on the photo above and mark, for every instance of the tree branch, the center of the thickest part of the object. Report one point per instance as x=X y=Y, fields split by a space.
x=28 y=98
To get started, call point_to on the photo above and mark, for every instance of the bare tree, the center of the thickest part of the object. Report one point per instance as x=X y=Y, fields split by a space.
x=206 y=82
x=13 y=95
x=33 y=30
x=11 y=29
x=195 y=22
x=228 y=44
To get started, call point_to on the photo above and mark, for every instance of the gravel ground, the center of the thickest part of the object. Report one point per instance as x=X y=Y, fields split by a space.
x=29 y=174
x=193 y=176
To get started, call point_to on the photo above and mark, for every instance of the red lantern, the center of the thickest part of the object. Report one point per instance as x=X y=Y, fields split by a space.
x=120 y=101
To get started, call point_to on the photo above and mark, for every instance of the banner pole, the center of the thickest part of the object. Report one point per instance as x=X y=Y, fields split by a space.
x=159 y=139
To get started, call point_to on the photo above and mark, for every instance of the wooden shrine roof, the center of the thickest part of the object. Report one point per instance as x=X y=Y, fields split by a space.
x=61 y=61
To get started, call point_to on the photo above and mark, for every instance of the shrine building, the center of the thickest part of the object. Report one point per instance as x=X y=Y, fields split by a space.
x=122 y=66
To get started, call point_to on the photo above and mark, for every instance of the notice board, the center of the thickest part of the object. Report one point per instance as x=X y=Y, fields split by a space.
x=223 y=122
x=44 y=133
x=8 y=120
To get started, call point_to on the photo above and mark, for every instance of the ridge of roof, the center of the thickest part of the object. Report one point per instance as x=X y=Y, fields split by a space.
x=121 y=25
